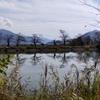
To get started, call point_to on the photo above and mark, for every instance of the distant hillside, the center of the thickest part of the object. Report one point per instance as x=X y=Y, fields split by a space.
x=4 y=32
x=27 y=38
x=92 y=34
x=89 y=38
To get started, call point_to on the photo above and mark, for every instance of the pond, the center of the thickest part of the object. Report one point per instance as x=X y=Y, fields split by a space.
x=32 y=65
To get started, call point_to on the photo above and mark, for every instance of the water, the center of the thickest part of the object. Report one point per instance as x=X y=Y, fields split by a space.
x=31 y=65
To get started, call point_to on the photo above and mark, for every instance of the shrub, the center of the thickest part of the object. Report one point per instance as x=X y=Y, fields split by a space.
x=87 y=47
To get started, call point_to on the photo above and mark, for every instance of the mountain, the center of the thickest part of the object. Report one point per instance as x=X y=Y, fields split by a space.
x=92 y=34
x=27 y=38
x=4 y=32
x=89 y=38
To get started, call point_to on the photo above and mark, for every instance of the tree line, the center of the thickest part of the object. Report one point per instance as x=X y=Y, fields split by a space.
x=35 y=39
x=18 y=39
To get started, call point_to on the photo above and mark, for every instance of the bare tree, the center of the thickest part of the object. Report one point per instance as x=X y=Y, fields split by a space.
x=19 y=38
x=54 y=42
x=8 y=38
x=96 y=8
x=64 y=36
x=84 y=2
x=78 y=35
x=97 y=12
x=88 y=41
x=77 y=41
x=35 y=39
x=97 y=38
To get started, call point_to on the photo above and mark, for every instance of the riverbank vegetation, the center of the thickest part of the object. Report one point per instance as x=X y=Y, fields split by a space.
x=45 y=49
x=76 y=84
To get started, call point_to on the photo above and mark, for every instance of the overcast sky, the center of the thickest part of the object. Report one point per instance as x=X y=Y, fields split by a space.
x=47 y=17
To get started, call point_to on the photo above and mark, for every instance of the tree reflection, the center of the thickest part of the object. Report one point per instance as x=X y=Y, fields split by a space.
x=85 y=57
x=35 y=59
x=82 y=57
x=54 y=55
x=20 y=60
x=64 y=59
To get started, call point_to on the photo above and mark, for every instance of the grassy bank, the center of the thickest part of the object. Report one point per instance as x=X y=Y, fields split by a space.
x=45 y=49
x=77 y=85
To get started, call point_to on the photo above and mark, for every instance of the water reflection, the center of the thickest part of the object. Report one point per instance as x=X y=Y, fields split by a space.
x=35 y=59
x=86 y=57
x=63 y=58
x=30 y=64
x=20 y=59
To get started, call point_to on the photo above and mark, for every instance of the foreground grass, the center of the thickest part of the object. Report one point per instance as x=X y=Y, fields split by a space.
x=84 y=85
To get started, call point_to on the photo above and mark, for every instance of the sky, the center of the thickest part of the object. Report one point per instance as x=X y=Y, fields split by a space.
x=47 y=17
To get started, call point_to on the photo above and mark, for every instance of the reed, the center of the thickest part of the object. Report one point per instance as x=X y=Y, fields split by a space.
x=80 y=85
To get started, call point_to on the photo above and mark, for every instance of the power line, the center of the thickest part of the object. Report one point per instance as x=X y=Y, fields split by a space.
x=50 y=26
x=54 y=23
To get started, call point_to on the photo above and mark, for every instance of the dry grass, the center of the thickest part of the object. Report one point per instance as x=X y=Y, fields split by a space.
x=87 y=47
x=84 y=85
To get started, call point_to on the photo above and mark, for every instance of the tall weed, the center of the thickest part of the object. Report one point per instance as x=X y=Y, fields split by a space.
x=77 y=85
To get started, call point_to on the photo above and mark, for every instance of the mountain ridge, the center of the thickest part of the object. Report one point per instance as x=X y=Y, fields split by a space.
x=4 y=32
x=93 y=35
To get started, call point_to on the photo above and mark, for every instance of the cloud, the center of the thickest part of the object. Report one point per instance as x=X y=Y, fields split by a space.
x=46 y=16
x=45 y=10
x=5 y=22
